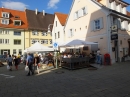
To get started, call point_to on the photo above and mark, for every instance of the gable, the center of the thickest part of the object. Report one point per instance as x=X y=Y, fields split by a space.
x=91 y=7
x=14 y=15
x=62 y=18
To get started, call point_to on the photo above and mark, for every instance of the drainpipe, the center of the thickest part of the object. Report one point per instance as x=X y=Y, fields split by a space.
x=109 y=35
x=29 y=38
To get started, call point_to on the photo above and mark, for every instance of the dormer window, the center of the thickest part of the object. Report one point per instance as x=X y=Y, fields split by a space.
x=5 y=21
x=44 y=33
x=35 y=33
x=17 y=22
x=5 y=14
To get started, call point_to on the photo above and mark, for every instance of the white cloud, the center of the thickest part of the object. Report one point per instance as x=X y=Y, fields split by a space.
x=14 y=5
x=52 y=3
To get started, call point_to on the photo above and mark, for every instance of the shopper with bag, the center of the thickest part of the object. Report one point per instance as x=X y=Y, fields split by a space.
x=9 y=62
x=36 y=62
x=29 y=63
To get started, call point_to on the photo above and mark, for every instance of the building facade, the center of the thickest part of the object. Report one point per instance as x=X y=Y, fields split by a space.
x=92 y=20
x=57 y=31
x=13 y=24
x=38 y=23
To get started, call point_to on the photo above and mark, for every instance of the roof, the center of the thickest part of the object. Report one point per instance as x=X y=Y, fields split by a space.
x=62 y=18
x=128 y=13
x=39 y=21
x=14 y=15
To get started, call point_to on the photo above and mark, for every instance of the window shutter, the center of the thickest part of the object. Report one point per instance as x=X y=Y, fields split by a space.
x=126 y=27
x=119 y=23
x=101 y=22
x=74 y=16
x=80 y=13
x=92 y=26
x=86 y=10
x=129 y=26
x=69 y=33
x=72 y=32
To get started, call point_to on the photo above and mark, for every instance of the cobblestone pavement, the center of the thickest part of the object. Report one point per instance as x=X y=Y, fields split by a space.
x=108 y=81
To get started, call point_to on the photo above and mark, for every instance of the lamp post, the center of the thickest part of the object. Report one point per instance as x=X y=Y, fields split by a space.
x=55 y=51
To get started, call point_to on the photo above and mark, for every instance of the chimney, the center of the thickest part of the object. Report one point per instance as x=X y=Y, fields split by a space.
x=25 y=9
x=43 y=12
x=36 y=11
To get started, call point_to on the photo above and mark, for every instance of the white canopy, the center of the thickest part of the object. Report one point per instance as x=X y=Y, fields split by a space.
x=76 y=42
x=38 y=47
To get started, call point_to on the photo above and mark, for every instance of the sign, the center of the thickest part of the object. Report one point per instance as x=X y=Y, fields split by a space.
x=55 y=45
x=114 y=36
x=114 y=29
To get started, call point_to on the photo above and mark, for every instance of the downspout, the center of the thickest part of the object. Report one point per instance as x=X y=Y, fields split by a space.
x=24 y=39
x=108 y=35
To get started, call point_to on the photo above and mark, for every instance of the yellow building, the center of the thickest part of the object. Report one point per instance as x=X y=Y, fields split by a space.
x=13 y=24
x=38 y=23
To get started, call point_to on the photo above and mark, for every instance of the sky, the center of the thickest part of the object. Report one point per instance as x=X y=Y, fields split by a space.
x=50 y=6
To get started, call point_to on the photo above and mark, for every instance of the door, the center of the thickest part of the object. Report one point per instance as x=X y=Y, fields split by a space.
x=5 y=52
x=116 y=50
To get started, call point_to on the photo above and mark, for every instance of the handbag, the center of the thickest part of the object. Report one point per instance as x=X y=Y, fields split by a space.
x=26 y=68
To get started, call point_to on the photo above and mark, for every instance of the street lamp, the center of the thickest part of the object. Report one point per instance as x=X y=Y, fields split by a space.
x=55 y=58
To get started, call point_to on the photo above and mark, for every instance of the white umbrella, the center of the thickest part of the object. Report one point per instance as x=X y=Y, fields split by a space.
x=76 y=42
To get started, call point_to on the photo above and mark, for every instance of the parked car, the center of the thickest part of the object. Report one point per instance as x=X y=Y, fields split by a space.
x=3 y=58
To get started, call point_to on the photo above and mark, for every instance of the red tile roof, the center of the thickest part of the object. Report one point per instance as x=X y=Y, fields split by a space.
x=13 y=13
x=128 y=13
x=62 y=17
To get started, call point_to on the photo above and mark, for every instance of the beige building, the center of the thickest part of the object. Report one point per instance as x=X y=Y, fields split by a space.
x=13 y=24
x=38 y=23
x=93 y=20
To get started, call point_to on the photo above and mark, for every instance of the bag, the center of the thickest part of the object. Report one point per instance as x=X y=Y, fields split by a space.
x=8 y=67
x=26 y=68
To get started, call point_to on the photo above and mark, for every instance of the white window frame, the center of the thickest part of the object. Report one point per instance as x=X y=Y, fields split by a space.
x=17 y=21
x=5 y=14
x=17 y=41
x=50 y=41
x=34 y=41
x=4 y=41
x=5 y=21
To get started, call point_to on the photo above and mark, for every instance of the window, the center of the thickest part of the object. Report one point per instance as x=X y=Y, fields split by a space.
x=17 y=22
x=0 y=41
x=34 y=41
x=18 y=33
x=17 y=42
x=97 y=24
x=50 y=41
x=71 y=33
x=44 y=33
x=20 y=51
x=14 y=51
x=84 y=11
x=35 y=33
x=5 y=21
x=55 y=35
x=44 y=41
x=58 y=34
x=5 y=15
x=4 y=41
x=4 y=31
x=56 y=23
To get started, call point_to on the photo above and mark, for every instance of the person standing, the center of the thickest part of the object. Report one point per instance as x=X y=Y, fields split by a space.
x=16 y=62
x=36 y=62
x=29 y=63
x=9 y=62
